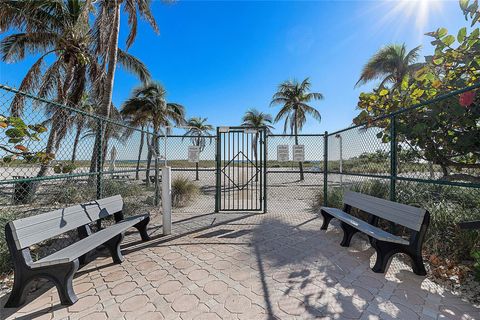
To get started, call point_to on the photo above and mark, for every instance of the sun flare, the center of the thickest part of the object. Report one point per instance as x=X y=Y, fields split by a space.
x=419 y=10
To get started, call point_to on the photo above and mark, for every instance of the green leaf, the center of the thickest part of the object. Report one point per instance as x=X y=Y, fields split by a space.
x=14 y=133
x=464 y=4
x=438 y=61
x=441 y=32
x=383 y=92
x=461 y=34
x=449 y=40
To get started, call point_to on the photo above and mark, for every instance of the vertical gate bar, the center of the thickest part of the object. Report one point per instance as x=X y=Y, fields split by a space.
x=252 y=176
x=325 y=168
x=393 y=159
x=248 y=174
x=243 y=170
x=257 y=178
x=223 y=173
x=260 y=199
x=265 y=159
x=229 y=173
x=218 y=181
x=238 y=170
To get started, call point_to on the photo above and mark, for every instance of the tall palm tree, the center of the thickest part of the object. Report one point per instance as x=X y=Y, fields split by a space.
x=200 y=130
x=105 y=38
x=149 y=99
x=295 y=97
x=391 y=64
x=257 y=119
x=106 y=32
x=58 y=31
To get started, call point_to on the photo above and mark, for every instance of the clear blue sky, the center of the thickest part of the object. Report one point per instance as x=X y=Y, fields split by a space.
x=221 y=58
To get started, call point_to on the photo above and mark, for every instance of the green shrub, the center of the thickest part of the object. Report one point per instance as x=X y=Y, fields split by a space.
x=69 y=194
x=183 y=191
x=125 y=189
x=476 y=264
x=334 y=196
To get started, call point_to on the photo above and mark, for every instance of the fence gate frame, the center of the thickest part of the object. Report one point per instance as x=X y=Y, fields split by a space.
x=231 y=144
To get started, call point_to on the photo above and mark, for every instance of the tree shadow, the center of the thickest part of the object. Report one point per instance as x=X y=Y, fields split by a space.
x=326 y=280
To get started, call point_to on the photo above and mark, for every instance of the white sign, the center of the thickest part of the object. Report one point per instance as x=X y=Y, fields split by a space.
x=298 y=151
x=282 y=153
x=223 y=129
x=193 y=153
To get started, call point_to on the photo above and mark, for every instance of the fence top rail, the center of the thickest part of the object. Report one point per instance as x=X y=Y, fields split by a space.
x=299 y=135
x=91 y=115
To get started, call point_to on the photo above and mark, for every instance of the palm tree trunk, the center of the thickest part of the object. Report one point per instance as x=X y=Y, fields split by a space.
x=108 y=85
x=196 y=163
x=112 y=62
x=50 y=147
x=75 y=143
x=295 y=127
x=149 y=161
x=140 y=149
x=254 y=146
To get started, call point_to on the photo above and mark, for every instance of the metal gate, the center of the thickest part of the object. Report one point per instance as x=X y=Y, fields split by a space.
x=241 y=169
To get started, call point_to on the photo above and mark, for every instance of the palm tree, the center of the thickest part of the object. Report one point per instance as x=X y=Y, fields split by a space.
x=258 y=120
x=294 y=98
x=58 y=31
x=149 y=100
x=199 y=129
x=106 y=37
x=391 y=64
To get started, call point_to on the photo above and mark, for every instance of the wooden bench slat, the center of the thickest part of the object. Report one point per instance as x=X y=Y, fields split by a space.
x=87 y=244
x=405 y=215
x=364 y=226
x=32 y=230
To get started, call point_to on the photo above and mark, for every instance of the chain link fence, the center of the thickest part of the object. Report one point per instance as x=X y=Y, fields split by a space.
x=425 y=156
x=292 y=185
x=52 y=158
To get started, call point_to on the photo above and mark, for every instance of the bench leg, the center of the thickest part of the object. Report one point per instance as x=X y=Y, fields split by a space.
x=113 y=246
x=62 y=277
x=385 y=252
x=417 y=264
x=348 y=232
x=19 y=290
x=326 y=219
x=142 y=228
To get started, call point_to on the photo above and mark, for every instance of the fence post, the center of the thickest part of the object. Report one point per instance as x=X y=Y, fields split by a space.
x=217 y=172
x=99 y=163
x=166 y=200
x=325 y=168
x=393 y=158
x=265 y=155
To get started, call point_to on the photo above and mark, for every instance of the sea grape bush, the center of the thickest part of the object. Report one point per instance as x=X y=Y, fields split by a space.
x=445 y=133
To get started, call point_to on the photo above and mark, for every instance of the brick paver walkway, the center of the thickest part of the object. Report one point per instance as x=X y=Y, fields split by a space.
x=239 y=266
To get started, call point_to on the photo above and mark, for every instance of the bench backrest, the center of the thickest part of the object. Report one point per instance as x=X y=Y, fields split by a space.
x=402 y=214
x=32 y=230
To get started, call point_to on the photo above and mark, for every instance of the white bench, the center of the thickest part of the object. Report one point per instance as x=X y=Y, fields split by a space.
x=61 y=266
x=386 y=244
